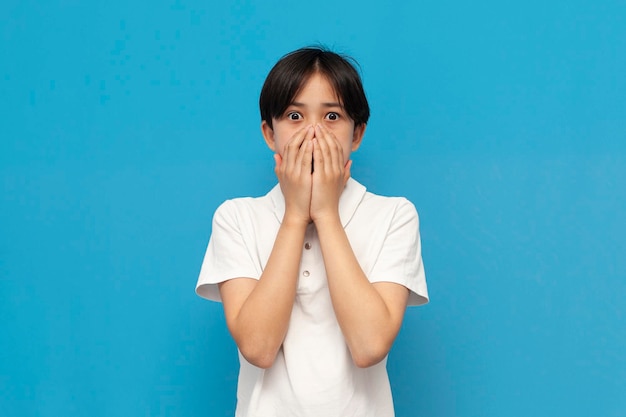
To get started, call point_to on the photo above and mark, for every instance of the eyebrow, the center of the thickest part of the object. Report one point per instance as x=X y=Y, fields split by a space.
x=331 y=104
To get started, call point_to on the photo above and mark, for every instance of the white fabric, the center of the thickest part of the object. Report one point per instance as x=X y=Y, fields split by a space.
x=313 y=374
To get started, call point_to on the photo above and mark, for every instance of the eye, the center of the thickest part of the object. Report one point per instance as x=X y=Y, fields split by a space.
x=294 y=115
x=332 y=116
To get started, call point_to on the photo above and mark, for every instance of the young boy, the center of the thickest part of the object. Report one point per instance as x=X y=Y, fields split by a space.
x=315 y=276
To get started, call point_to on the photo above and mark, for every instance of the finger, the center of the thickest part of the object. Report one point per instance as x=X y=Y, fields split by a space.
x=317 y=159
x=306 y=162
x=305 y=151
x=331 y=149
x=292 y=149
x=322 y=157
x=278 y=161
x=336 y=152
x=284 y=159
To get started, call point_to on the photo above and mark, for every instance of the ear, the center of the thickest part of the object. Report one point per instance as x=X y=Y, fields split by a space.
x=357 y=136
x=268 y=135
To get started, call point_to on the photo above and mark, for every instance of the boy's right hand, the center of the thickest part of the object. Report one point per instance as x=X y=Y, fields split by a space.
x=293 y=170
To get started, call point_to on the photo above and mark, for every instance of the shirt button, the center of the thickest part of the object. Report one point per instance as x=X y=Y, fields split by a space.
x=307 y=246
x=306 y=273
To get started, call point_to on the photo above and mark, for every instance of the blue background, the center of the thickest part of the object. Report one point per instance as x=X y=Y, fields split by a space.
x=123 y=125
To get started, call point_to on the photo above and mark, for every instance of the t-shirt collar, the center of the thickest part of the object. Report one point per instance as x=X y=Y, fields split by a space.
x=348 y=202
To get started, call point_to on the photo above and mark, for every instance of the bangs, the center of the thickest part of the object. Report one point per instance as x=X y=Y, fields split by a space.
x=291 y=73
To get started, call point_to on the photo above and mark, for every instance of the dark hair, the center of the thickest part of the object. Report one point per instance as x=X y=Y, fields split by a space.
x=290 y=73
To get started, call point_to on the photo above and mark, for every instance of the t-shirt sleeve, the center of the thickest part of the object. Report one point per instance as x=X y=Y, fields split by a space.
x=400 y=257
x=227 y=255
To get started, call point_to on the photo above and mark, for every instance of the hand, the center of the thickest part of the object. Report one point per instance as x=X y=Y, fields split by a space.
x=330 y=174
x=293 y=170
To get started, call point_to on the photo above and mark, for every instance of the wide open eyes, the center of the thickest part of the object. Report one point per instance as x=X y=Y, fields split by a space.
x=294 y=115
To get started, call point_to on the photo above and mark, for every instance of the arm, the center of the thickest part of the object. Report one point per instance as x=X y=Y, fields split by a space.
x=258 y=311
x=370 y=315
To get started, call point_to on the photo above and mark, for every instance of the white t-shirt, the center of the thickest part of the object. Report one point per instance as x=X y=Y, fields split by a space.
x=313 y=374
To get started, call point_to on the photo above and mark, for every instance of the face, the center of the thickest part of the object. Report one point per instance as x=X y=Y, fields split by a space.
x=315 y=103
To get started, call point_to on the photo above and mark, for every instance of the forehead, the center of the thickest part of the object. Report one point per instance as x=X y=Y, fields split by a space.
x=317 y=84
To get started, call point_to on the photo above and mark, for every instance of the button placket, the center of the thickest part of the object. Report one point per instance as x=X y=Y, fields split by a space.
x=308 y=257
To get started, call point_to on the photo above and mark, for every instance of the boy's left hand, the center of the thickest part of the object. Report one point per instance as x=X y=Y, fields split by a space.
x=330 y=174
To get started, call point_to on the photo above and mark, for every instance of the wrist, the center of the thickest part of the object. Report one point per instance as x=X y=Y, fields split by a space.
x=295 y=221
x=329 y=218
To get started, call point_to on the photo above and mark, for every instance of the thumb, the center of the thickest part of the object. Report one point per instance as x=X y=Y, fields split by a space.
x=278 y=160
x=346 y=172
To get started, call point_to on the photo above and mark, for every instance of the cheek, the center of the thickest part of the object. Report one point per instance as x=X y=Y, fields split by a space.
x=344 y=137
x=346 y=154
x=281 y=139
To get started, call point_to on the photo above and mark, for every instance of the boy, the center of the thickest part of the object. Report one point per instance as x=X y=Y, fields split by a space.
x=315 y=276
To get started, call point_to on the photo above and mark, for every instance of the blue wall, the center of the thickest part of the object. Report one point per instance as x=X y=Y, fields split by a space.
x=124 y=124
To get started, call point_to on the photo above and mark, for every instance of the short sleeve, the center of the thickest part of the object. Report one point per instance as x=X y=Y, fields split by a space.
x=227 y=255
x=400 y=257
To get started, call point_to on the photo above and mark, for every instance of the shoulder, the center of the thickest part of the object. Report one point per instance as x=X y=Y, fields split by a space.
x=368 y=207
x=387 y=201
x=396 y=208
x=244 y=207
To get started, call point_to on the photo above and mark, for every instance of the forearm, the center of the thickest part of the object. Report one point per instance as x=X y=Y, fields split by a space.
x=260 y=325
x=368 y=325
